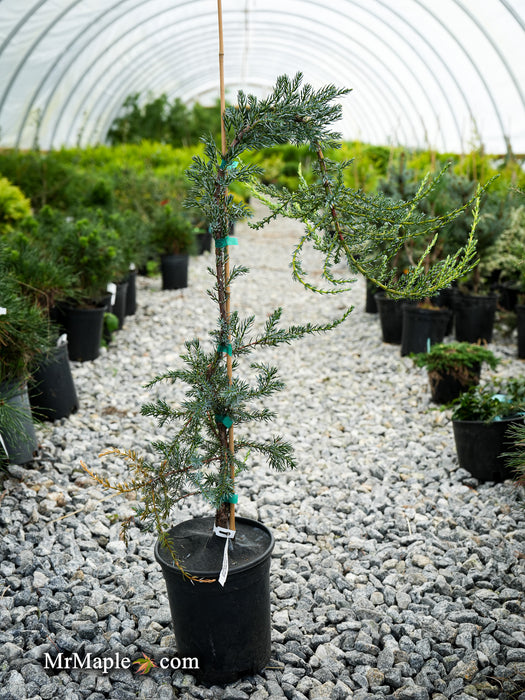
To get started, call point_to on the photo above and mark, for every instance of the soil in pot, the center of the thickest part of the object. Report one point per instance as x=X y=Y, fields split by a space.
x=421 y=327
x=475 y=317
x=480 y=447
x=52 y=393
x=227 y=629
x=445 y=387
x=174 y=271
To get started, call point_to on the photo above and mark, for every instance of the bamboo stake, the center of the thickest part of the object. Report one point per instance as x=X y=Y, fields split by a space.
x=226 y=252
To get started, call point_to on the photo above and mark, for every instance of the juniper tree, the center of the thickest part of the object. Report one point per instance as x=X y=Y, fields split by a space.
x=202 y=455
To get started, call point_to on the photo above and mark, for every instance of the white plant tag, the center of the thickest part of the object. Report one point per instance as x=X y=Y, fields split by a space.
x=132 y=266
x=3 y=311
x=112 y=289
x=62 y=340
x=7 y=453
x=228 y=535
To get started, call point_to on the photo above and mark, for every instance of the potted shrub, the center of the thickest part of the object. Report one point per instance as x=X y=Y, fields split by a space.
x=201 y=232
x=219 y=564
x=24 y=334
x=45 y=282
x=506 y=259
x=173 y=238
x=453 y=368
x=134 y=251
x=400 y=185
x=429 y=319
x=90 y=250
x=476 y=303
x=482 y=421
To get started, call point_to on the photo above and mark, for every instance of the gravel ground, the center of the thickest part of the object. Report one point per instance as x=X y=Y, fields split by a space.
x=394 y=575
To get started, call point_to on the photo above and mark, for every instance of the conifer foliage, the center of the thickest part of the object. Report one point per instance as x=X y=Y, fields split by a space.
x=344 y=224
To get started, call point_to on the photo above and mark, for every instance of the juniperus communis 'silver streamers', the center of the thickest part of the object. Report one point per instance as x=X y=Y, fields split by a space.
x=366 y=232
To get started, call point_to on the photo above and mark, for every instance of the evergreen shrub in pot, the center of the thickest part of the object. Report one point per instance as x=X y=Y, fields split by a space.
x=414 y=325
x=220 y=564
x=482 y=421
x=90 y=249
x=453 y=368
x=476 y=303
x=46 y=282
x=24 y=335
x=173 y=237
x=506 y=259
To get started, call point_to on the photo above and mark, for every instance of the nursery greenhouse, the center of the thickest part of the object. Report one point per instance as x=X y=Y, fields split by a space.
x=337 y=189
x=441 y=74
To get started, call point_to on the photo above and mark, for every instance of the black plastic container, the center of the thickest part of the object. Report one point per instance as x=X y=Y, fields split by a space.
x=508 y=295
x=422 y=327
x=84 y=331
x=475 y=317
x=480 y=447
x=448 y=386
x=447 y=298
x=391 y=317
x=520 y=316
x=131 y=294
x=20 y=441
x=174 y=271
x=226 y=629
x=370 y=300
x=52 y=392
x=119 y=305
x=203 y=242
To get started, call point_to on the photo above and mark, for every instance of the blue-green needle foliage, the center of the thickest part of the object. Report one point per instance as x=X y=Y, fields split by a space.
x=343 y=224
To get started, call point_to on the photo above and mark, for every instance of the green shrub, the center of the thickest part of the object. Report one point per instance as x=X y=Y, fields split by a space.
x=24 y=330
x=14 y=206
x=446 y=357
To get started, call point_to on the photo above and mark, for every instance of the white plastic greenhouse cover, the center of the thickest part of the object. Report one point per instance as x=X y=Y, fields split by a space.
x=447 y=74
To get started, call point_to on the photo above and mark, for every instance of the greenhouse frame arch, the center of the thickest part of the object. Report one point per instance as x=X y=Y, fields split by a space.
x=422 y=74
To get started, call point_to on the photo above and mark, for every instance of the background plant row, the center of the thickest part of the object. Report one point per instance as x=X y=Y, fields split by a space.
x=138 y=176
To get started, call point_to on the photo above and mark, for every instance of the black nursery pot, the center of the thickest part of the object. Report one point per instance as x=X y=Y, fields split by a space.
x=84 y=331
x=131 y=293
x=21 y=443
x=227 y=630
x=370 y=300
x=421 y=327
x=475 y=317
x=508 y=295
x=174 y=271
x=203 y=242
x=447 y=298
x=480 y=447
x=520 y=316
x=391 y=317
x=445 y=387
x=119 y=306
x=52 y=393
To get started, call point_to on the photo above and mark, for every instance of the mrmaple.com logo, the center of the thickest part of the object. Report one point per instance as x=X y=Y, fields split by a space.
x=105 y=664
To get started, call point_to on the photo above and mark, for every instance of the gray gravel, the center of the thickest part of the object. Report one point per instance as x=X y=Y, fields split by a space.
x=395 y=574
